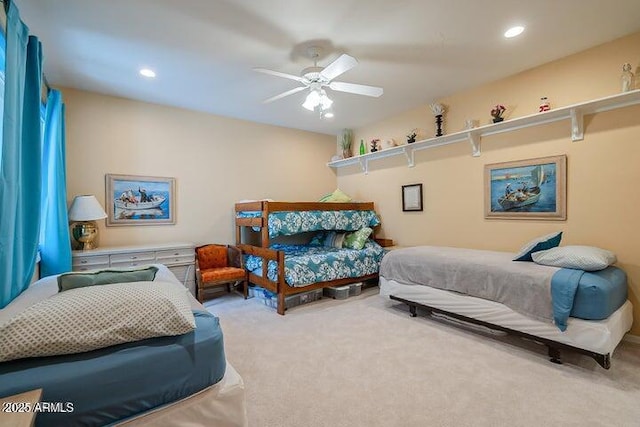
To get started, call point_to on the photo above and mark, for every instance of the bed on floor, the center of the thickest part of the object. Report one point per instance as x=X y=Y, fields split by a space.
x=177 y=380
x=286 y=269
x=562 y=308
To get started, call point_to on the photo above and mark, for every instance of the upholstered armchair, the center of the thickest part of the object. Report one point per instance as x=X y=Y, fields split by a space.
x=218 y=265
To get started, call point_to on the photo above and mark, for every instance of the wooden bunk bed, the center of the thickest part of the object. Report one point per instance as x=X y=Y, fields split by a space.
x=260 y=221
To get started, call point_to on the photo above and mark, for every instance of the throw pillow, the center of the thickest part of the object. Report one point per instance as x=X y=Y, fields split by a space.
x=328 y=239
x=94 y=317
x=339 y=240
x=356 y=240
x=587 y=258
x=68 y=281
x=538 y=244
x=337 y=196
x=318 y=239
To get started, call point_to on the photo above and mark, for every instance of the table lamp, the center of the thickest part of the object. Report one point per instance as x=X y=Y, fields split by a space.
x=84 y=211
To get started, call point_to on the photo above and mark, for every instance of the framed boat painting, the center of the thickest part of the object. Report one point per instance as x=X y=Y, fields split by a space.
x=139 y=200
x=527 y=189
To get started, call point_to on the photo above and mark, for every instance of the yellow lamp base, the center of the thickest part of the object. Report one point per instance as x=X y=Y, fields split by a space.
x=85 y=234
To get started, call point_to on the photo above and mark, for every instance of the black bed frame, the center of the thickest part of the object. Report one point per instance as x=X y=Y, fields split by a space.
x=554 y=347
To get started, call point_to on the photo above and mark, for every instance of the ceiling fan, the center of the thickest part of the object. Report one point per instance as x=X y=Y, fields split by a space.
x=316 y=79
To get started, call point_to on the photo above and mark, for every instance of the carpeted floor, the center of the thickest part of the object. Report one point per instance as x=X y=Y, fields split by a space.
x=364 y=362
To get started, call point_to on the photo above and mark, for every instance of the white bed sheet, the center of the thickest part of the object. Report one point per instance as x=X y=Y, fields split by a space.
x=600 y=336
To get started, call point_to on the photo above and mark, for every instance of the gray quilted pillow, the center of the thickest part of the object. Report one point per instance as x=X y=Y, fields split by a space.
x=587 y=258
x=94 y=317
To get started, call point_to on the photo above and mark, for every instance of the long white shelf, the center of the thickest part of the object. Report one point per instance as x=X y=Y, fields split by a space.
x=575 y=113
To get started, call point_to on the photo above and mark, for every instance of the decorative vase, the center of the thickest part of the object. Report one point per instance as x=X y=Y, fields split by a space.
x=439 y=125
x=346 y=153
x=497 y=119
x=411 y=140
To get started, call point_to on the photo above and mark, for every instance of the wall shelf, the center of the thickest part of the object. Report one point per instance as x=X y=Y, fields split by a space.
x=574 y=113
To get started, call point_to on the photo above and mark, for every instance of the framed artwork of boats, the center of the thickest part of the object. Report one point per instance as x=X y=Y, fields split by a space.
x=139 y=200
x=527 y=189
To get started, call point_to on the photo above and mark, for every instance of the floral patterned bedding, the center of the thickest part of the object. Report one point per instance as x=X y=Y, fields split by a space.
x=304 y=265
x=294 y=222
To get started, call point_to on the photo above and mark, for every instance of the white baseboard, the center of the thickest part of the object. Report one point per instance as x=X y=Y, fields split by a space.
x=634 y=339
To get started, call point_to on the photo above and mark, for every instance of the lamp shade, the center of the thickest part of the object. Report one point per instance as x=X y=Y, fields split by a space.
x=86 y=208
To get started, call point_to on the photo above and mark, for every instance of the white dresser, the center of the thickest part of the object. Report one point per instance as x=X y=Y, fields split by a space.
x=179 y=257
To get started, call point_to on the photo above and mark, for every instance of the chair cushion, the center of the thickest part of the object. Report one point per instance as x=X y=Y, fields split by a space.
x=222 y=274
x=212 y=256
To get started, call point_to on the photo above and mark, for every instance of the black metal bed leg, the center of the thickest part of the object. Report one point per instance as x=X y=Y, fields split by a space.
x=554 y=355
x=412 y=310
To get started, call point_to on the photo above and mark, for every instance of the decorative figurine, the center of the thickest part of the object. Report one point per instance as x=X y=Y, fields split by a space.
x=627 y=78
x=411 y=138
x=438 y=110
x=497 y=113
x=390 y=143
x=544 y=105
x=374 y=145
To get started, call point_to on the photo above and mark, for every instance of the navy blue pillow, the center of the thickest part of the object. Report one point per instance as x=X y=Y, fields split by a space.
x=538 y=244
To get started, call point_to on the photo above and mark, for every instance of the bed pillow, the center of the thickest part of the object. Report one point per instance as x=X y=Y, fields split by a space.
x=74 y=280
x=337 y=196
x=94 y=317
x=538 y=244
x=318 y=239
x=587 y=258
x=356 y=240
x=329 y=239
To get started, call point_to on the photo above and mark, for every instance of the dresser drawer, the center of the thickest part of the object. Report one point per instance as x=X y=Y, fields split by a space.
x=90 y=267
x=90 y=260
x=135 y=257
x=186 y=259
x=172 y=253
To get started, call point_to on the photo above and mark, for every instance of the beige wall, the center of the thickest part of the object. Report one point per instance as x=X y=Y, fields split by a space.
x=603 y=171
x=215 y=160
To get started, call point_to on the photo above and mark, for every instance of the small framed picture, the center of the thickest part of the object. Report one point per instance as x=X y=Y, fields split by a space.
x=140 y=200
x=412 y=197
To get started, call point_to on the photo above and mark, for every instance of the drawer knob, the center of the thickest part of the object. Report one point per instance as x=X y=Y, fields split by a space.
x=84 y=261
x=134 y=257
x=177 y=253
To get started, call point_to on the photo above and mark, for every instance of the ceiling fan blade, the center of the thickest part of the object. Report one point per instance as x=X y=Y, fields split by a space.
x=357 y=89
x=283 y=94
x=279 y=74
x=341 y=65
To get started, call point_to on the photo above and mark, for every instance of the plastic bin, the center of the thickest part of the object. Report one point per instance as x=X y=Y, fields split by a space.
x=337 y=292
x=270 y=299
x=355 y=289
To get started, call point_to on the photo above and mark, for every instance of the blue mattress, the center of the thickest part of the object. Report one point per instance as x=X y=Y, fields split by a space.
x=599 y=294
x=121 y=381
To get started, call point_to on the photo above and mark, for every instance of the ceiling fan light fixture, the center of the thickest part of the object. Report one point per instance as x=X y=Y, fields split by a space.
x=325 y=101
x=312 y=100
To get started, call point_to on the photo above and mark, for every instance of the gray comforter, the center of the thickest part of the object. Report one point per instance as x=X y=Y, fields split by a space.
x=524 y=287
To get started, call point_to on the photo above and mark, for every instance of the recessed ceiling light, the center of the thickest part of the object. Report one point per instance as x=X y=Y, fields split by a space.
x=514 y=31
x=147 y=72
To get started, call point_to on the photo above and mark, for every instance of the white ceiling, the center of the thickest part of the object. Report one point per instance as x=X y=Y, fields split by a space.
x=204 y=50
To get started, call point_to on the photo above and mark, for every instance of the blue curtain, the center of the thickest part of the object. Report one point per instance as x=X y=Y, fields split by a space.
x=55 y=246
x=20 y=161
